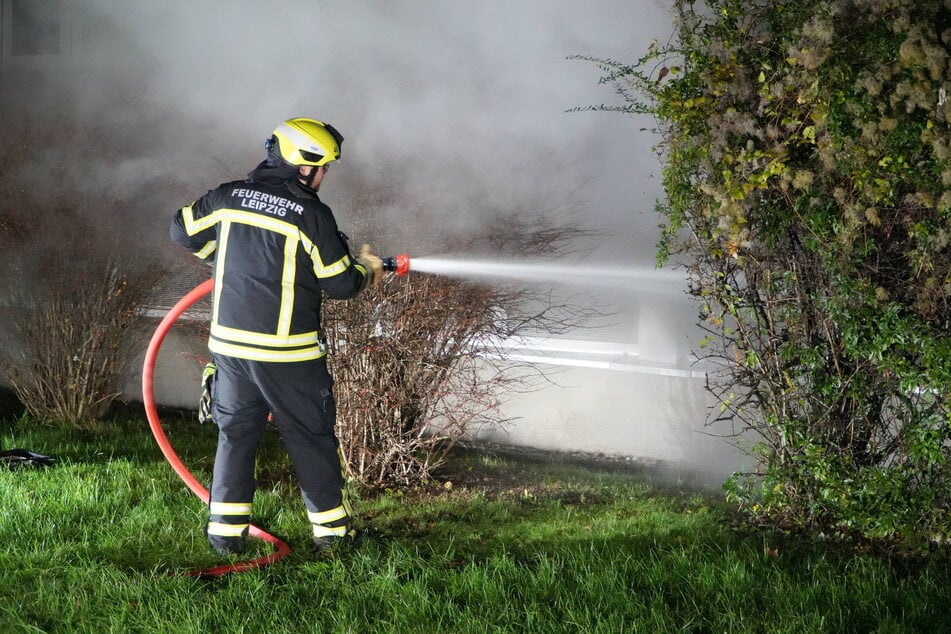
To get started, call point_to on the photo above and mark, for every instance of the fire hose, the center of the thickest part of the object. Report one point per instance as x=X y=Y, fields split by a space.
x=148 y=398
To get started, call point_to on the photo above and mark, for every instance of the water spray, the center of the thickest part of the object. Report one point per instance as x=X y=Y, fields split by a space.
x=626 y=276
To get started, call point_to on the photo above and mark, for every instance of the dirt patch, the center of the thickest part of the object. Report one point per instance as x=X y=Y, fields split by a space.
x=528 y=476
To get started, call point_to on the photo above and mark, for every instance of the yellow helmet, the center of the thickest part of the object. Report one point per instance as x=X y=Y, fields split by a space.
x=304 y=141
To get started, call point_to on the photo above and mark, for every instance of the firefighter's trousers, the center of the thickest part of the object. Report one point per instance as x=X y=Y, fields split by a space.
x=300 y=396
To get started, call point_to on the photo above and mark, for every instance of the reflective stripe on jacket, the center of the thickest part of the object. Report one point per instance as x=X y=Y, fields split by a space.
x=275 y=248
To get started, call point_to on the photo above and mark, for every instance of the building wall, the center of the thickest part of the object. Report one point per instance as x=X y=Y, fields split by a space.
x=643 y=399
x=648 y=413
x=178 y=368
x=652 y=417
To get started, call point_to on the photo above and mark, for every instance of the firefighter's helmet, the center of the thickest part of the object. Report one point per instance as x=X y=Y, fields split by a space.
x=304 y=141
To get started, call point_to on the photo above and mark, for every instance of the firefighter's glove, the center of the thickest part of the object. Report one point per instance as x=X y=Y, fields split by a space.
x=372 y=263
x=206 y=403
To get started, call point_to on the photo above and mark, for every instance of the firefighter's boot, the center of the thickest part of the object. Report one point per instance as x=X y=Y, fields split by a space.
x=333 y=529
x=228 y=526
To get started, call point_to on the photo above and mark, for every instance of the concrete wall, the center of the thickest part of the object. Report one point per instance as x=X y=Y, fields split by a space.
x=645 y=415
x=643 y=398
x=648 y=413
x=177 y=377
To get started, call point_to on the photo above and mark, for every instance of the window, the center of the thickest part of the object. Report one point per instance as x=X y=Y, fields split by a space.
x=36 y=27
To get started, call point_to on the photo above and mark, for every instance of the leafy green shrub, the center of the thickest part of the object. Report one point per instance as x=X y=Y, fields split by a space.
x=807 y=167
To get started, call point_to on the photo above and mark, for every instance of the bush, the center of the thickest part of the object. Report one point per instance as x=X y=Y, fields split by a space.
x=76 y=327
x=418 y=365
x=422 y=373
x=76 y=274
x=808 y=178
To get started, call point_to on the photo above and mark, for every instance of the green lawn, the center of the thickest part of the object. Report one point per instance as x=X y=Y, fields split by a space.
x=99 y=542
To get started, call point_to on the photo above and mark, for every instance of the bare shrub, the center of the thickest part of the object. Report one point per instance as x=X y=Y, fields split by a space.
x=75 y=326
x=419 y=365
x=76 y=273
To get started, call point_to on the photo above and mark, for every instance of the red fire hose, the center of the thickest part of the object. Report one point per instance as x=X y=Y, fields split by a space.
x=148 y=398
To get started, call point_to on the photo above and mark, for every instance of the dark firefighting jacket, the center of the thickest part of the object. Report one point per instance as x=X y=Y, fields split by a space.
x=275 y=248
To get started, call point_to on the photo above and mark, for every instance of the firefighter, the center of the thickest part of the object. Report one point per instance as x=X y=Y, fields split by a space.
x=276 y=249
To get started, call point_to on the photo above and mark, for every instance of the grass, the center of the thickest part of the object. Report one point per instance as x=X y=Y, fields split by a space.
x=97 y=543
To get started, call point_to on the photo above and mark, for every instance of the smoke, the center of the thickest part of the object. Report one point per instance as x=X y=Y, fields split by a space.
x=460 y=106
x=454 y=115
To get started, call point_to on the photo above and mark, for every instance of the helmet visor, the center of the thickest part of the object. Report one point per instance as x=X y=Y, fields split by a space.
x=311 y=157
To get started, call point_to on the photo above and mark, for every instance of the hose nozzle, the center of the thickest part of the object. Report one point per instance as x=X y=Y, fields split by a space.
x=398 y=264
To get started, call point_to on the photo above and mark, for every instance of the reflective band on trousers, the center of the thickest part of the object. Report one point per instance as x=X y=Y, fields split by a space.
x=326 y=517
x=230 y=508
x=226 y=530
